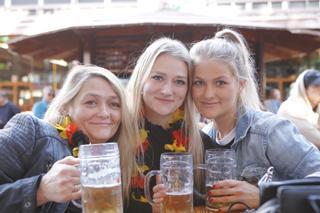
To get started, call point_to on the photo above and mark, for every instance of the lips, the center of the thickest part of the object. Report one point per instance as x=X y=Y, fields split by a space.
x=209 y=104
x=165 y=100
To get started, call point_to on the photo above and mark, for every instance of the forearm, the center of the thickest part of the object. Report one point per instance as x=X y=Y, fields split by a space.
x=19 y=196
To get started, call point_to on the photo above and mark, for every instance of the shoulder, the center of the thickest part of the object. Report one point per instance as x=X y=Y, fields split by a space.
x=266 y=119
x=27 y=125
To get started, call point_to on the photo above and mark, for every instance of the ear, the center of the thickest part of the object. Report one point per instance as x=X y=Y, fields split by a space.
x=242 y=84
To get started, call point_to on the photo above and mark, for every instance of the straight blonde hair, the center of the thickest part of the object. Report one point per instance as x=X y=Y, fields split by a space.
x=138 y=78
x=75 y=80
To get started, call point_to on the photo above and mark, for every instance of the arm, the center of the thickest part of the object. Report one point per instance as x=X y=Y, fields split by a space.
x=17 y=193
x=290 y=153
x=17 y=143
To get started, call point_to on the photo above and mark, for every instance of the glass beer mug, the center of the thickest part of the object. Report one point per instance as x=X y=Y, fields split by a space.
x=176 y=172
x=100 y=178
x=219 y=165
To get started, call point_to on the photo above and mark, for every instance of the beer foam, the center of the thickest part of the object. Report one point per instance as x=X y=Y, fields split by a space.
x=179 y=193
x=102 y=186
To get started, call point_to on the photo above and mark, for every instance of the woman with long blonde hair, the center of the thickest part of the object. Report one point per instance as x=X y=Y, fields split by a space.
x=160 y=102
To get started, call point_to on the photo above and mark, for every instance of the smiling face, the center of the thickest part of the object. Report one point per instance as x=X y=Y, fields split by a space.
x=96 y=110
x=215 y=90
x=165 y=89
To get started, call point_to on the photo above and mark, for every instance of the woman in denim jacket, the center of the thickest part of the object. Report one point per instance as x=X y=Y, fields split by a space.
x=37 y=173
x=224 y=90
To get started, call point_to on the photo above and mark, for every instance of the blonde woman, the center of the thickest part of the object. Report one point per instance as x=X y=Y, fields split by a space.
x=160 y=101
x=224 y=91
x=37 y=171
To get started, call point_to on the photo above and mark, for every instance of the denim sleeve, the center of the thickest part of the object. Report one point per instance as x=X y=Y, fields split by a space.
x=17 y=140
x=289 y=152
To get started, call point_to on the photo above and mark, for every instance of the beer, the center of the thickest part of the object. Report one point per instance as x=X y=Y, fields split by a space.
x=102 y=199
x=212 y=207
x=178 y=203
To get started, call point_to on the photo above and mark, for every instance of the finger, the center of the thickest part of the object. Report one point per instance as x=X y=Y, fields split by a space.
x=158 y=179
x=225 y=184
x=221 y=192
x=158 y=187
x=76 y=195
x=158 y=200
x=159 y=195
x=69 y=160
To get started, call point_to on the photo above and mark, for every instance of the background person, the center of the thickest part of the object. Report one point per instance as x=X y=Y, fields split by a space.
x=273 y=101
x=224 y=90
x=37 y=173
x=163 y=111
x=302 y=105
x=40 y=107
x=7 y=109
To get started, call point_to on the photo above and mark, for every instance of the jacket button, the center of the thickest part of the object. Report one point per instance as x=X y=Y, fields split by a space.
x=27 y=204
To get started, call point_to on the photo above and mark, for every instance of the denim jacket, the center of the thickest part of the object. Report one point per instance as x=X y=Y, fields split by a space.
x=263 y=140
x=28 y=148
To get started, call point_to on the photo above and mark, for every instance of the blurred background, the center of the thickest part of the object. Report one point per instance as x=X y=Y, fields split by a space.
x=41 y=39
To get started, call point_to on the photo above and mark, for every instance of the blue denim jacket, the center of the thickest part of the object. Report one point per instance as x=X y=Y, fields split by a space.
x=28 y=148
x=262 y=140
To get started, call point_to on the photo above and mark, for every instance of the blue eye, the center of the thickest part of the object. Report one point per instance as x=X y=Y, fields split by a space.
x=180 y=82
x=157 y=77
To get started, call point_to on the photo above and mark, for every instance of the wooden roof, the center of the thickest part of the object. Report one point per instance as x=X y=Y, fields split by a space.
x=115 y=44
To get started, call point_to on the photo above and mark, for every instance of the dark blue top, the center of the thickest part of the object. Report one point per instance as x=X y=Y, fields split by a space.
x=7 y=111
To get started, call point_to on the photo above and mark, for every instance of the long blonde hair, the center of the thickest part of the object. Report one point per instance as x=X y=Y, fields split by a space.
x=70 y=89
x=138 y=78
x=231 y=48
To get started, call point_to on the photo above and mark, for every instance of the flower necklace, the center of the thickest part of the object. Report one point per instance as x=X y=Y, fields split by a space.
x=68 y=130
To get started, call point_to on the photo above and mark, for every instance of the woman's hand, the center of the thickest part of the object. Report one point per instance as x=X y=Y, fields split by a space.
x=159 y=192
x=61 y=183
x=230 y=191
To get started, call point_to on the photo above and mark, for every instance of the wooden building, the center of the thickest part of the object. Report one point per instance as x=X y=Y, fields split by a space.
x=116 y=44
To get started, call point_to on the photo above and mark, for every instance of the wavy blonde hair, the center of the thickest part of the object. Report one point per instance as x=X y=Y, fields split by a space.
x=138 y=78
x=74 y=82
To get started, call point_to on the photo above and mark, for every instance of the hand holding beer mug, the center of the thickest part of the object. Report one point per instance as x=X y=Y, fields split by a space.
x=100 y=178
x=176 y=172
x=220 y=165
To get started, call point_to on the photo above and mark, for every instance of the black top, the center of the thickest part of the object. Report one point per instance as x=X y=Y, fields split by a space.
x=157 y=140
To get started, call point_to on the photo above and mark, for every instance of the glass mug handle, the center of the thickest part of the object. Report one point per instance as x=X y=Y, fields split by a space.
x=77 y=203
x=147 y=184
x=198 y=193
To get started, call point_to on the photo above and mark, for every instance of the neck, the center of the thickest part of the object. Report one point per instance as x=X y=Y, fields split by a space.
x=225 y=125
x=157 y=119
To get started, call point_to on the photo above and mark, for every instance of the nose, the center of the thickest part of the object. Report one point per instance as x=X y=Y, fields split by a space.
x=104 y=111
x=208 y=92
x=166 y=88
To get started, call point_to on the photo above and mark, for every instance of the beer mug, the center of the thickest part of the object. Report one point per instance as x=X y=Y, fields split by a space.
x=176 y=172
x=219 y=165
x=100 y=178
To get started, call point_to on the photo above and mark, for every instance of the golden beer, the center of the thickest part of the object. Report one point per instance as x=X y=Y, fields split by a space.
x=178 y=203
x=102 y=199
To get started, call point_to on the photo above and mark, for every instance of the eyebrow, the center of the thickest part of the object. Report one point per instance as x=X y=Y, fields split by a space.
x=161 y=73
x=96 y=95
